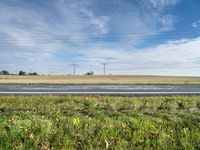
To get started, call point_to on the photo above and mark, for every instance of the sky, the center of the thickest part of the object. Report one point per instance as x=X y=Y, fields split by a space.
x=134 y=37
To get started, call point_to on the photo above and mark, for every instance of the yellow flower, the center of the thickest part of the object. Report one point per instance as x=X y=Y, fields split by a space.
x=76 y=121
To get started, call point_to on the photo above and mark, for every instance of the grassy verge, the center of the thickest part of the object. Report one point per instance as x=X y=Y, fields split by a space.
x=75 y=122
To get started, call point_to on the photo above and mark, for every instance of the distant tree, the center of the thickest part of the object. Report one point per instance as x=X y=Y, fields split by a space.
x=22 y=73
x=33 y=74
x=4 y=72
x=90 y=73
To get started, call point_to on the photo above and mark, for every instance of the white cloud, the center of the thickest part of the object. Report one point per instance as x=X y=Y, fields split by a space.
x=99 y=22
x=167 y=22
x=163 y=3
x=171 y=58
x=196 y=24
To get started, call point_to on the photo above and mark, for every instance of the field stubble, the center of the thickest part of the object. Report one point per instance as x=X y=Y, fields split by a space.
x=97 y=79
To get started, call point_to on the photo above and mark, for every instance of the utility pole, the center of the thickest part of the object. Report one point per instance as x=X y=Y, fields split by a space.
x=74 y=66
x=104 y=68
x=30 y=69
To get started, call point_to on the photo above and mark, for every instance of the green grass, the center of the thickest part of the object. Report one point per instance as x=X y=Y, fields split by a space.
x=75 y=122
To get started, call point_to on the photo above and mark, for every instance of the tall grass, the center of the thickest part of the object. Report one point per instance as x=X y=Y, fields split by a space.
x=75 y=122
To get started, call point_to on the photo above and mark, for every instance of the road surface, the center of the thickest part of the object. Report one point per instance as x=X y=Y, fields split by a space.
x=118 y=90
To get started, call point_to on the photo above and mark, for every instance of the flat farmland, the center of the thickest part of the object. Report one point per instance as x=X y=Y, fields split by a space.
x=98 y=79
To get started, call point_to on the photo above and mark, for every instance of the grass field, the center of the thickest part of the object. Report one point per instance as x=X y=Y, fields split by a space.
x=112 y=79
x=75 y=122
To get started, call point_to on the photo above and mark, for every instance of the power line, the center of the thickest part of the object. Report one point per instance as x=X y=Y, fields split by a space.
x=109 y=37
x=82 y=36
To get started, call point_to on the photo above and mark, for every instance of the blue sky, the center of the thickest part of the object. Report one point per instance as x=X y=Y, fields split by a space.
x=151 y=37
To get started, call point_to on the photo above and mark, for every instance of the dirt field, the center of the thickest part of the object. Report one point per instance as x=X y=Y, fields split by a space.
x=98 y=80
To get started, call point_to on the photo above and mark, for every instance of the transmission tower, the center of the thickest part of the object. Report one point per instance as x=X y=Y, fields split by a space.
x=104 y=68
x=74 y=68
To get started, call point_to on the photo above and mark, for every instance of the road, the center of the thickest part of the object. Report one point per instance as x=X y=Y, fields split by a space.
x=118 y=90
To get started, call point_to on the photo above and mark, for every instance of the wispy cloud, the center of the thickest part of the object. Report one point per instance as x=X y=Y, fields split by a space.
x=91 y=32
x=163 y=3
x=196 y=24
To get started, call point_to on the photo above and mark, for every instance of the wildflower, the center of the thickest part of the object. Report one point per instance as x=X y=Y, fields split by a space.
x=76 y=121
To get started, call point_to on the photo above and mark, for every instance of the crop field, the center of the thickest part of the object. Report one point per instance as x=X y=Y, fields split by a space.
x=88 y=122
x=97 y=79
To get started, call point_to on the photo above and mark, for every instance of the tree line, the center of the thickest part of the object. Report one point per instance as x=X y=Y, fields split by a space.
x=21 y=73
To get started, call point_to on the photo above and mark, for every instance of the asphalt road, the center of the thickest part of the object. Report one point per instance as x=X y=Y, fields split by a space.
x=118 y=90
